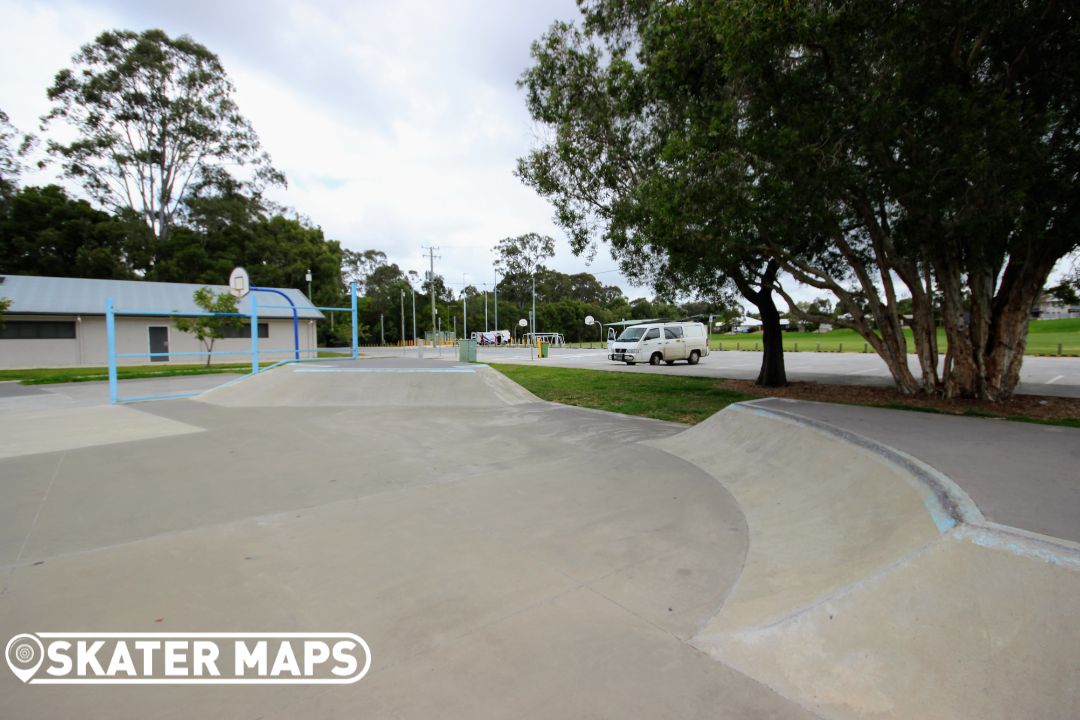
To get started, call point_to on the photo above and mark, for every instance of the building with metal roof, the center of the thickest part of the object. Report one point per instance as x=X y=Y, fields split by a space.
x=60 y=322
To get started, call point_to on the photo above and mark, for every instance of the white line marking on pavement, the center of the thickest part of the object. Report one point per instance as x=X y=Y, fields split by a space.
x=1054 y=379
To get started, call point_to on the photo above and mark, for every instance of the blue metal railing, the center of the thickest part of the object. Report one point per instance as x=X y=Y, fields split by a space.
x=110 y=334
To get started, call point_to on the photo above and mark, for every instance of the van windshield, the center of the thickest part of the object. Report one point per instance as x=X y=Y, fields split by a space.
x=631 y=334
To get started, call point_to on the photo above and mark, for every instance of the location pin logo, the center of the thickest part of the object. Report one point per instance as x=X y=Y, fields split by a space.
x=24 y=654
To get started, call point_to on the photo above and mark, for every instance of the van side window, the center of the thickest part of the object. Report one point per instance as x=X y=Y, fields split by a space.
x=673 y=333
x=652 y=334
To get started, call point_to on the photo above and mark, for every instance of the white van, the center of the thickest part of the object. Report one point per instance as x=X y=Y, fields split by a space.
x=661 y=342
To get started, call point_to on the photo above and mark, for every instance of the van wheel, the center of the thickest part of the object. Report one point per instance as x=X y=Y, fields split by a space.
x=655 y=359
x=694 y=357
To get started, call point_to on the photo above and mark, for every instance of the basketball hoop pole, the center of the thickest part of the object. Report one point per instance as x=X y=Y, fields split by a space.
x=295 y=317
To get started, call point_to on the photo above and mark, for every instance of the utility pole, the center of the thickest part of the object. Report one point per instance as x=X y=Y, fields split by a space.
x=485 y=308
x=496 y=299
x=402 y=332
x=532 y=325
x=431 y=281
x=382 y=330
x=464 y=308
x=413 y=313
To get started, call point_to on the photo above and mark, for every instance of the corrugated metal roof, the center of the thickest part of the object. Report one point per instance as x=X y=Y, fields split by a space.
x=81 y=296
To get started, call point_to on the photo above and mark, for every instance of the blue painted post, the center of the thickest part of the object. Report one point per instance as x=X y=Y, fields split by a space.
x=295 y=317
x=355 y=326
x=254 y=334
x=110 y=339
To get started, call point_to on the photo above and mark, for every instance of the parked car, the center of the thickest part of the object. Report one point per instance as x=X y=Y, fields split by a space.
x=661 y=342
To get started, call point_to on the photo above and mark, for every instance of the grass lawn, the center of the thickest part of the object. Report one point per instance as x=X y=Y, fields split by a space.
x=690 y=400
x=46 y=376
x=1044 y=336
x=661 y=397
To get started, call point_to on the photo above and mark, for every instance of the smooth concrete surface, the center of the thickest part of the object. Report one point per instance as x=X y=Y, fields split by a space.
x=1019 y=474
x=373 y=383
x=68 y=429
x=508 y=559
x=61 y=396
x=853 y=604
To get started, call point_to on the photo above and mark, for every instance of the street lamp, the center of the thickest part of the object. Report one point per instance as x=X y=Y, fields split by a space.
x=307 y=277
x=401 y=334
x=464 y=308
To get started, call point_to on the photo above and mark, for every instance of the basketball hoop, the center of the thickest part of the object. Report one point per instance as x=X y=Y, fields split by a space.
x=239 y=282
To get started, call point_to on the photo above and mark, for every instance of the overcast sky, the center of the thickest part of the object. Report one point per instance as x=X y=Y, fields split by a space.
x=398 y=124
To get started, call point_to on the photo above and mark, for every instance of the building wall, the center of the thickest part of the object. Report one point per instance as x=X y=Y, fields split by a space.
x=89 y=347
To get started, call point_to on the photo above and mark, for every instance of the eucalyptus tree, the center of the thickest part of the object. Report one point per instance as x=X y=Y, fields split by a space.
x=152 y=116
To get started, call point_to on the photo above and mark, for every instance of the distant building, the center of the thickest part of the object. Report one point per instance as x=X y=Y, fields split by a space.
x=749 y=325
x=60 y=322
x=1048 y=307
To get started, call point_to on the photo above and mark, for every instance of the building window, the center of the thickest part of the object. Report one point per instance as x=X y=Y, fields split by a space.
x=37 y=330
x=245 y=331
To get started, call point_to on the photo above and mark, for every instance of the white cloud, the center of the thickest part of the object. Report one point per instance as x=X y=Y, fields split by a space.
x=397 y=124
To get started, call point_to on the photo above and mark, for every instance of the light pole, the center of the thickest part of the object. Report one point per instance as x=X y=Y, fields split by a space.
x=532 y=324
x=496 y=299
x=485 y=308
x=401 y=334
x=464 y=308
x=307 y=277
x=382 y=330
x=413 y=313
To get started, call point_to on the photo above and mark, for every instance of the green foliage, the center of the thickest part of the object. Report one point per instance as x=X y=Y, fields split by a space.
x=856 y=145
x=208 y=329
x=154 y=116
x=5 y=303
x=45 y=232
x=11 y=147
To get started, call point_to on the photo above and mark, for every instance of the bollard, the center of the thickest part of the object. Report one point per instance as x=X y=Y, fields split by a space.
x=796 y=347
x=841 y=348
x=755 y=347
x=819 y=347
x=1059 y=349
x=737 y=344
x=865 y=347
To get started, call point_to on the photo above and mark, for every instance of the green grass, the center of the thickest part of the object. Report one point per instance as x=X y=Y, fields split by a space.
x=661 y=397
x=1044 y=336
x=48 y=376
x=672 y=397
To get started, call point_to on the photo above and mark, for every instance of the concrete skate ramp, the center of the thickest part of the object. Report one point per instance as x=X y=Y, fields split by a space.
x=872 y=587
x=394 y=383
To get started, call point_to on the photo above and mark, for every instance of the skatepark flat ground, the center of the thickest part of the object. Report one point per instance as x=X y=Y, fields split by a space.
x=496 y=564
x=507 y=557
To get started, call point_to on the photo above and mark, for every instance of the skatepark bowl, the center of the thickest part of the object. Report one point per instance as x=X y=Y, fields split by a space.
x=505 y=557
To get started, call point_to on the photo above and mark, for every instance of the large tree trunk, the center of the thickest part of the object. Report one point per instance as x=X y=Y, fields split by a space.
x=772 y=373
x=987 y=334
